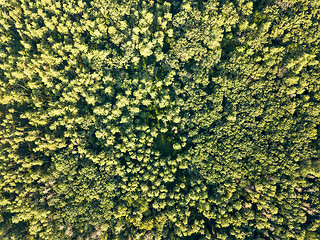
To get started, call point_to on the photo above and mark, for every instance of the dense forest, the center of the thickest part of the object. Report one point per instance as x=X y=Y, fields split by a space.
x=159 y=119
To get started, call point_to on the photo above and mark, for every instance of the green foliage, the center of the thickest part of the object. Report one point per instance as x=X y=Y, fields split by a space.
x=159 y=119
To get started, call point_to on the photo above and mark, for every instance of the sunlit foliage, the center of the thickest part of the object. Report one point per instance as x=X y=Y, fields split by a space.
x=160 y=119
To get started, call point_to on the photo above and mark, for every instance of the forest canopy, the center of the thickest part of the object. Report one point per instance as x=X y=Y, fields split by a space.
x=160 y=119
